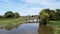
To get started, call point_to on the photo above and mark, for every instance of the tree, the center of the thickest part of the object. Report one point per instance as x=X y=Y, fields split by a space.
x=52 y=15
x=57 y=14
x=0 y=16
x=9 y=14
x=43 y=17
x=16 y=15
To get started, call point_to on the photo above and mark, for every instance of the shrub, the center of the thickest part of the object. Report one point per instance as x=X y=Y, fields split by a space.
x=16 y=15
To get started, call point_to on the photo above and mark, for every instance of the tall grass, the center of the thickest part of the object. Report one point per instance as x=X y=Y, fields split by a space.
x=56 y=26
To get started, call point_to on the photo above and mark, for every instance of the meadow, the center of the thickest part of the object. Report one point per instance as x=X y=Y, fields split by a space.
x=11 y=21
x=56 y=26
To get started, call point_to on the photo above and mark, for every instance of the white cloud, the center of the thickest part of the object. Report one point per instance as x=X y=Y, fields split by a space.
x=47 y=3
x=29 y=10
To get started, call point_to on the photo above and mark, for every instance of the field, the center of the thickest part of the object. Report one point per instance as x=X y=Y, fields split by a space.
x=56 y=26
x=12 y=21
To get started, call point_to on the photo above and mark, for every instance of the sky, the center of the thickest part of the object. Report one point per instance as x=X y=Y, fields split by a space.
x=27 y=7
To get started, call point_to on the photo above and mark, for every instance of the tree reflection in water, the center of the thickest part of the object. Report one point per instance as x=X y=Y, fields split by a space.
x=45 y=29
x=10 y=26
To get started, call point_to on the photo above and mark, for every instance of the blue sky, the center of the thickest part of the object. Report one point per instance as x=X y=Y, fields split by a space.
x=27 y=7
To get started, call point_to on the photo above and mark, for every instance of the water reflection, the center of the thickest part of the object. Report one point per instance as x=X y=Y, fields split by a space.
x=45 y=29
x=10 y=26
x=28 y=28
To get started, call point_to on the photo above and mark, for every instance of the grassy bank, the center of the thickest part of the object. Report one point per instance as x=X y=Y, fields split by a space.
x=13 y=21
x=56 y=26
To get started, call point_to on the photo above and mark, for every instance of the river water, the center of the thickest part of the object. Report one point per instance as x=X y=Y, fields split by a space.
x=27 y=28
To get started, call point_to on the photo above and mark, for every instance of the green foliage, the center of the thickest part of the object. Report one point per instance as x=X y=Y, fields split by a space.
x=16 y=15
x=56 y=26
x=9 y=14
x=43 y=17
x=57 y=14
x=52 y=15
x=0 y=16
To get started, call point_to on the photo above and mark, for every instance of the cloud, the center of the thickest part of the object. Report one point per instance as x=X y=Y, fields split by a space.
x=35 y=3
x=30 y=11
x=28 y=7
x=46 y=3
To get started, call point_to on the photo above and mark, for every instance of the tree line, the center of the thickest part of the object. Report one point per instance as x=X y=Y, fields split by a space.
x=49 y=15
x=10 y=14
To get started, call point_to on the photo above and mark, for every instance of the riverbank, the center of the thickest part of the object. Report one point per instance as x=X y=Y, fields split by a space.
x=56 y=26
x=11 y=21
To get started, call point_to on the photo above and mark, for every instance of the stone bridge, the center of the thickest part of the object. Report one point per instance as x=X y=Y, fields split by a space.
x=33 y=20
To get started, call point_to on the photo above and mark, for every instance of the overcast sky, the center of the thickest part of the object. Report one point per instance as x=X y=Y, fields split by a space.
x=27 y=7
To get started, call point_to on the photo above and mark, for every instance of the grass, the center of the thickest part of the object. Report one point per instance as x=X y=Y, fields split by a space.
x=56 y=26
x=12 y=21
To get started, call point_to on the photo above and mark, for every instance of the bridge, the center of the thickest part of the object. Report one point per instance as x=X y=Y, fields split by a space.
x=33 y=20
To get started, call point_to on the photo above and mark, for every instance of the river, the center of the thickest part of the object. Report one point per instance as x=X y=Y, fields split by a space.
x=27 y=28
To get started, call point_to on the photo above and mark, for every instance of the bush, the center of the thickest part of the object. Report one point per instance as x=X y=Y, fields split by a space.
x=0 y=16
x=16 y=15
